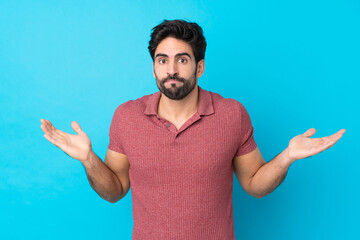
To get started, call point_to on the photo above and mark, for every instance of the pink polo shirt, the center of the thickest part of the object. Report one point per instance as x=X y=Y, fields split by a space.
x=181 y=180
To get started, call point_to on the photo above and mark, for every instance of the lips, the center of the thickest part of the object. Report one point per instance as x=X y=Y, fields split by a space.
x=173 y=81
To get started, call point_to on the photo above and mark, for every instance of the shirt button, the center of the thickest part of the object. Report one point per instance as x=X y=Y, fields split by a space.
x=168 y=125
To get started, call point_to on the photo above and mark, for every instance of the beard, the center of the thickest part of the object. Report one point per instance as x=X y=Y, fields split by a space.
x=174 y=92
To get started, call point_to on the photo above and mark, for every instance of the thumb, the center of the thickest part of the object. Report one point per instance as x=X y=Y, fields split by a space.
x=309 y=132
x=76 y=127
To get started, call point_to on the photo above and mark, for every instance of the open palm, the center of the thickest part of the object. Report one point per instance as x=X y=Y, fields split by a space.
x=77 y=146
x=302 y=146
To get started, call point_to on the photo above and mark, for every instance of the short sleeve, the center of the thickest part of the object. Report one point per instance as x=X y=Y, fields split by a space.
x=247 y=142
x=115 y=141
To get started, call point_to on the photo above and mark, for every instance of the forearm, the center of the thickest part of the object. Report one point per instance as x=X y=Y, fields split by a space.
x=102 y=179
x=270 y=175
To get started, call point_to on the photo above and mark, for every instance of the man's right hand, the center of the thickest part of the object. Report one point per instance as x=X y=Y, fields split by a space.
x=77 y=146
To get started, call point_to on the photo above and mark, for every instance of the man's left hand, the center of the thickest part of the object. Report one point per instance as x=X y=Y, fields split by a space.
x=303 y=146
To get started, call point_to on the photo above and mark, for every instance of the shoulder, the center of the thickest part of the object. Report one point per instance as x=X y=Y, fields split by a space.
x=131 y=112
x=228 y=105
x=133 y=106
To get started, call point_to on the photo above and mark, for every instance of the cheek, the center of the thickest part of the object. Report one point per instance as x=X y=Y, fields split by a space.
x=187 y=71
x=158 y=75
x=159 y=70
x=156 y=71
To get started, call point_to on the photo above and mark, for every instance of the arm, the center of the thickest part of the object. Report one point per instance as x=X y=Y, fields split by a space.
x=110 y=179
x=259 y=178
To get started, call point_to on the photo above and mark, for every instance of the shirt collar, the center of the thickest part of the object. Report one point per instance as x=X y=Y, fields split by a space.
x=206 y=106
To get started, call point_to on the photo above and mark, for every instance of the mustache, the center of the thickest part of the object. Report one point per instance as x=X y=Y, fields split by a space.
x=173 y=77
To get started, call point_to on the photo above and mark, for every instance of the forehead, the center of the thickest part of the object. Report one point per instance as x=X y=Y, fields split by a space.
x=172 y=46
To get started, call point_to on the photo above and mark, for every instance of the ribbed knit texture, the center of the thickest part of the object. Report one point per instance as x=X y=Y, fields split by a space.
x=181 y=180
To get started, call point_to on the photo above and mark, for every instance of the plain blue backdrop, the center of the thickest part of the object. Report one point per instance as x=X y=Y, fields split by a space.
x=293 y=64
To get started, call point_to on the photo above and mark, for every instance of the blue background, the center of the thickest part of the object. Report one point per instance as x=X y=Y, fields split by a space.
x=293 y=64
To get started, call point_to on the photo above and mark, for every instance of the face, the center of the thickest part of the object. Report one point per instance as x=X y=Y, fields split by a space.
x=175 y=68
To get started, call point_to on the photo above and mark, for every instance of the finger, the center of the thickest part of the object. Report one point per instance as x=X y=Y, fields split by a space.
x=53 y=140
x=335 y=137
x=52 y=128
x=51 y=132
x=54 y=137
x=341 y=131
x=50 y=125
x=338 y=134
x=309 y=132
x=327 y=142
x=45 y=126
x=326 y=145
x=60 y=134
x=42 y=126
x=76 y=127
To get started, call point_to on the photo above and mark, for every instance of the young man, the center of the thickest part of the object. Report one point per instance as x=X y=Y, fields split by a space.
x=180 y=146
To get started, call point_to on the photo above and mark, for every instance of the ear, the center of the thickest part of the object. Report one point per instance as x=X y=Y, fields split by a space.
x=200 y=68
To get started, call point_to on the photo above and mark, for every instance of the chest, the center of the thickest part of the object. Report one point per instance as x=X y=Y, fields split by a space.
x=201 y=151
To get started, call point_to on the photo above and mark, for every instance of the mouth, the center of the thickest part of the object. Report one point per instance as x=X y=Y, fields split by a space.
x=171 y=81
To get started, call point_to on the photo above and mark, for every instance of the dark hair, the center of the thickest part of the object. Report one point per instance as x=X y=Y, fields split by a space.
x=189 y=32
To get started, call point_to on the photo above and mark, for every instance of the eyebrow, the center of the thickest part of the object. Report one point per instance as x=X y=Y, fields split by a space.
x=177 y=55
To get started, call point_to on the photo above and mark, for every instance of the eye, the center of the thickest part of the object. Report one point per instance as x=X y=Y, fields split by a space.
x=182 y=60
x=162 y=61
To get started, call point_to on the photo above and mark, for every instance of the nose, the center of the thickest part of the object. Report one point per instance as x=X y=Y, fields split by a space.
x=172 y=68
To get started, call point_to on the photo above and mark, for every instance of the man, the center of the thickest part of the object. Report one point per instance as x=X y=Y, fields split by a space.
x=180 y=146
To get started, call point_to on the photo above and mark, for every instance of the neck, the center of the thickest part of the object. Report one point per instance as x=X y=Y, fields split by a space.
x=179 y=109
